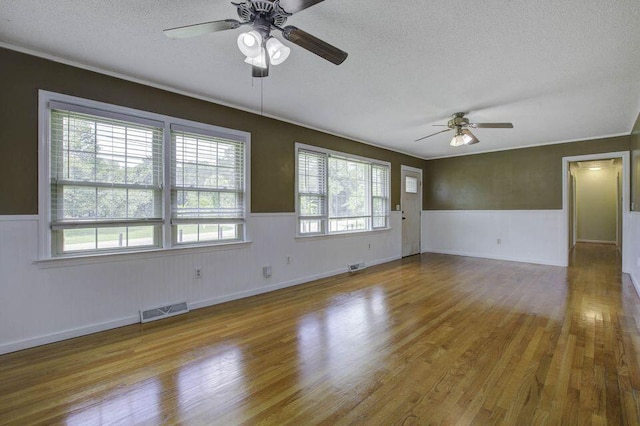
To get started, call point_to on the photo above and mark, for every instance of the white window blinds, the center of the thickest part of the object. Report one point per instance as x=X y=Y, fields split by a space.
x=106 y=182
x=312 y=189
x=349 y=195
x=380 y=196
x=208 y=187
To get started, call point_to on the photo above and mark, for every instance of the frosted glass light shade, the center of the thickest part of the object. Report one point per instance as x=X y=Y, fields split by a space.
x=278 y=52
x=460 y=139
x=259 y=61
x=250 y=44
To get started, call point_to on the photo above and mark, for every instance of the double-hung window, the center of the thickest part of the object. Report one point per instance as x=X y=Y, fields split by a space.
x=115 y=180
x=207 y=186
x=106 y=182
x=338 y=192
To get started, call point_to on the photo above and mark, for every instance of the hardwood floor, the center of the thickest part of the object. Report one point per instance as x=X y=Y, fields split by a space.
x=430 y=339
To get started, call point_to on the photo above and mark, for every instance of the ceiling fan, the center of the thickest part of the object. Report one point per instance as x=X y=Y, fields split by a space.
x=463 y=135
x=258 y=45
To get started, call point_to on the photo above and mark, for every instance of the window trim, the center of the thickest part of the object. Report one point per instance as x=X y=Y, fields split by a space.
x=329 y=152
x=45 y=98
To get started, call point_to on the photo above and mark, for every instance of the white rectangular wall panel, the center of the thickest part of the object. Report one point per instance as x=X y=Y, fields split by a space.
x=534 y=236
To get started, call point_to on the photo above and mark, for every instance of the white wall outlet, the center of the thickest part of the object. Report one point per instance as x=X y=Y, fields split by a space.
x=499 y=241
x=288 y=260
x=197 y=273
x=266 y=271
x=369 y=246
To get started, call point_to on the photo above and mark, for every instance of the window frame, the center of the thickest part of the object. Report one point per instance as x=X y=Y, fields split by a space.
x=239 y=222
x=325 y=228
x=111 y=111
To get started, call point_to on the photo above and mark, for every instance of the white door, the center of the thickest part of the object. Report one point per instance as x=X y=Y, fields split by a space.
x=411 y=209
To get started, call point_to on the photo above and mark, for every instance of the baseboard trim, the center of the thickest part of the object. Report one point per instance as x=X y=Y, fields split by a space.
x=636 y=284
x=493 y=257
x=67 y=334
x=596 y=241
x=278 y=286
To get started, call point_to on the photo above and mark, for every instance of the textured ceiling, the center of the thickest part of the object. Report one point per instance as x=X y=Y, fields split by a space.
x=558 y=70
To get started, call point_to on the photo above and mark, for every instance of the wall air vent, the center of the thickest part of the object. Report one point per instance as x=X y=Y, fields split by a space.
x=163 y=312
x=356 y=267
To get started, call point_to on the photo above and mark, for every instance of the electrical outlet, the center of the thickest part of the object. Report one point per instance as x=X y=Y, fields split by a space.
x=369 y=246
x=266 y=271
x=198 y=273
x=499 y=241
x=288 y=260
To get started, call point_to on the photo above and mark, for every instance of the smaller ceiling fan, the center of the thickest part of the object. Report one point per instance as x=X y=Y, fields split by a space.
x=463 y=136
x=258 y=45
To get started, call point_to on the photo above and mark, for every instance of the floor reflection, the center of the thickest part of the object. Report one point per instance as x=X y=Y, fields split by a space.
x=135 y=405
x=216 y=383
x=346 y=339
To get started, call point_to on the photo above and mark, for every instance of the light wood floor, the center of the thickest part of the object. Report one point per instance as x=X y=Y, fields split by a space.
x=431 y=339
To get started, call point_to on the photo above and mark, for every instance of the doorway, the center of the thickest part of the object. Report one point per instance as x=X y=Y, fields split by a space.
x=411 y=206
x=595 y=202
x=605 y=178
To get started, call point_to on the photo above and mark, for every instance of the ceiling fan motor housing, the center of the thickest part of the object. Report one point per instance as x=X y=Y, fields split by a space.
x=269 y=11
x=458 y=120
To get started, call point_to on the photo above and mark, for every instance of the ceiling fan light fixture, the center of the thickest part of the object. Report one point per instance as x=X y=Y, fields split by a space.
x=461 y=139
x=457 y=140
x=278 y=52
x=259 y=61
x=250 y=44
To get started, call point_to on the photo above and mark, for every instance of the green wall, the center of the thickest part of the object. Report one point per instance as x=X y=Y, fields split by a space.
x=517 y=179
x=528 y=178
x=272 y=141
x=596 y=202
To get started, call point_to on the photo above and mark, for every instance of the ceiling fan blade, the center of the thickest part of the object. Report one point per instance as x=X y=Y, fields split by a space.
x=433 y=134
x=204 y=28
x=440 y=125
x=491 y=125
x=258 y=72
x=295 y=6
x=474 y=140
x=314 y=44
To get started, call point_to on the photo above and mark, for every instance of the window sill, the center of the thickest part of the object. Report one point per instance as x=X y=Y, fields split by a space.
x=56 y=262
x=340 y=234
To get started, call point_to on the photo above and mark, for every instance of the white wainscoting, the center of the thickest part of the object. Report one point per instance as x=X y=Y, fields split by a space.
x=632 y=244
x=51 y=301
x=534 y=236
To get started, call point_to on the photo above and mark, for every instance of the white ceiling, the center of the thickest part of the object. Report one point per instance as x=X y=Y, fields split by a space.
x=558 y=70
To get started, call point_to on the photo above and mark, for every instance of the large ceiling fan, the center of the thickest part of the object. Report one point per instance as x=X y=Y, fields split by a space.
x=463 y=135
x=259 y=46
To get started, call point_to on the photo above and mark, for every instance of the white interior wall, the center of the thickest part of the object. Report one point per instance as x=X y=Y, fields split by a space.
x=533 y=236
x=632 y=242
x=54 y=300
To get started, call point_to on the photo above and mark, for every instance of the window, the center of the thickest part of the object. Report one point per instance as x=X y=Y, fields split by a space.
x=207 y=194
x=410 y=185
x=338 y=192
x=106 y=187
